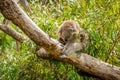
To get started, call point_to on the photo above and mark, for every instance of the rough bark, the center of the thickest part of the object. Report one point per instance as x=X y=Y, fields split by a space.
x=12 y=11
x=10 y=31
x=86 y=63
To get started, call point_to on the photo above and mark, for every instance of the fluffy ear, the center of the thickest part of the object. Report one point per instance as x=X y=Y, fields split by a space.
x=59 y=32
x=77 y=25
x=81 y=35
x=83 y=38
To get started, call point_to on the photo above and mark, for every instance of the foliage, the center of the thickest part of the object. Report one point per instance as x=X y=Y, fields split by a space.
x=101 y=20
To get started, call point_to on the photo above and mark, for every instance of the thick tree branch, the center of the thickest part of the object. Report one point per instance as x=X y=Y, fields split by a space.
x=88 y=64
x=10 y=31
x=13 y=12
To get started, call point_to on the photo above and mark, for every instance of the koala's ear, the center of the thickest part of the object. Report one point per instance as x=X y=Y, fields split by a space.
x=80 y=37
x=77 y=25
x=83 y=37
x=60 y=30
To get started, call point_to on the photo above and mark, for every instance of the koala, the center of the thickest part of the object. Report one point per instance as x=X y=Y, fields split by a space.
x=68 y=31
x=72 y=36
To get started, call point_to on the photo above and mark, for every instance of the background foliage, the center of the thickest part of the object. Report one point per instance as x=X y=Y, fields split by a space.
x=101 y=20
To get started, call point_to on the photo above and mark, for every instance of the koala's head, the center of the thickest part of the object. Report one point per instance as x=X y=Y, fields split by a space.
x=67 y=30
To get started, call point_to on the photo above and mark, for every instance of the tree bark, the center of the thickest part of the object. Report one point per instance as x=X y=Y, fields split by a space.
x=10 y=31
x=13 y=12
x=86 y=63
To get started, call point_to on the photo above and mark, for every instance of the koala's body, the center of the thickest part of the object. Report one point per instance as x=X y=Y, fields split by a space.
x=72 y=36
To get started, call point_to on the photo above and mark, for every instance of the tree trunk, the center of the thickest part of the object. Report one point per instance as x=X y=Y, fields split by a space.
x=86 y=63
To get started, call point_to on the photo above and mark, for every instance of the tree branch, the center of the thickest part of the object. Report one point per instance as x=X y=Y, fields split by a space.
x=10 y=31
x=86 y=63
x=13 y=12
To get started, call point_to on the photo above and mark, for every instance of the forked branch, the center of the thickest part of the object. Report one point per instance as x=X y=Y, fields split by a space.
x=86 y=63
